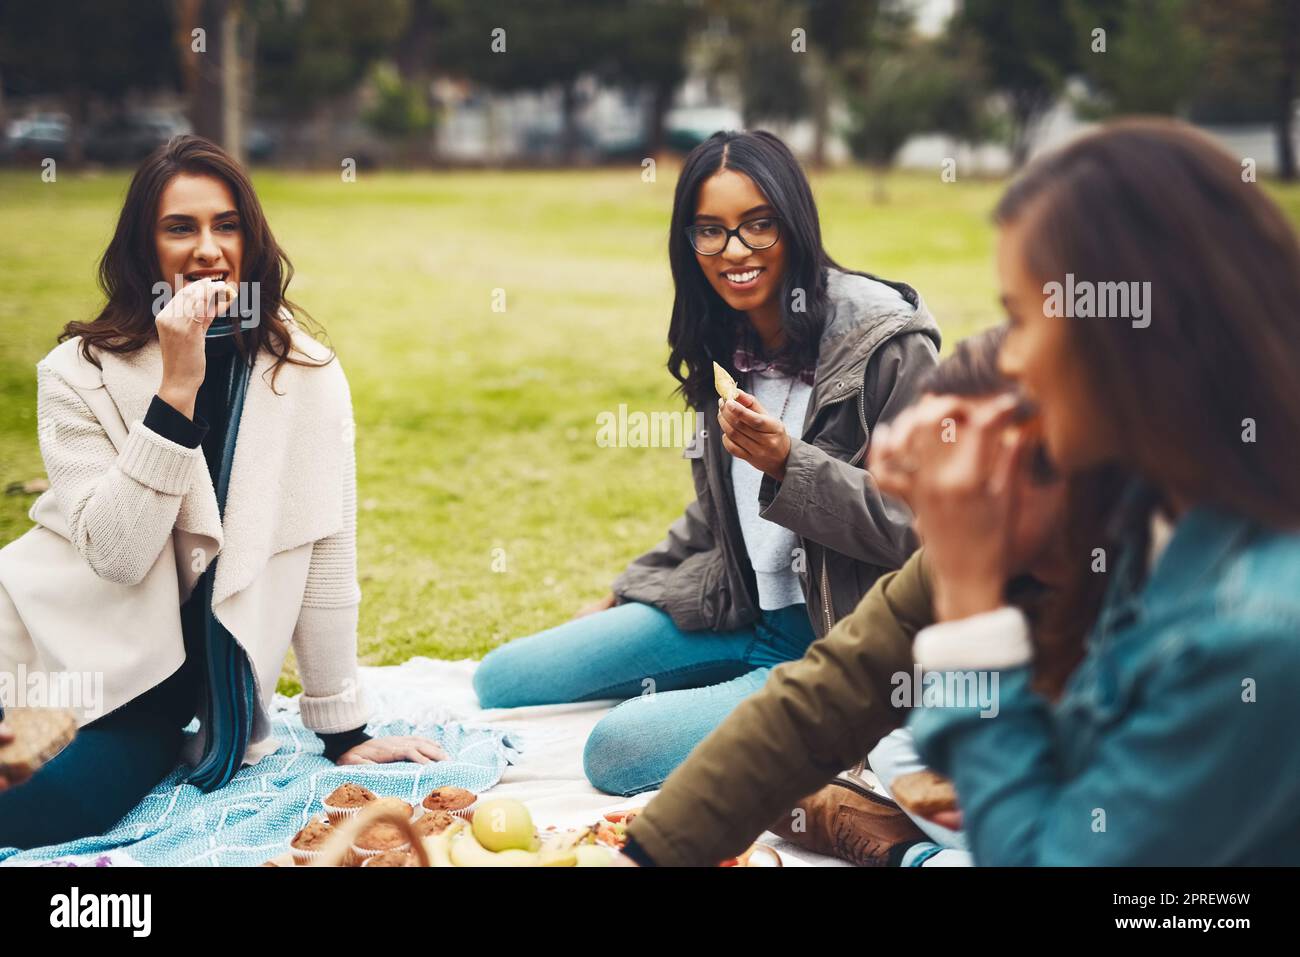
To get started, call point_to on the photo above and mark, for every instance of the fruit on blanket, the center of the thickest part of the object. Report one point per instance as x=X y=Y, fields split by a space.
x=558 y=857
x=504 y=824
x=466 y=851
x=593 y=855
x=612 y=831
x=561 y=849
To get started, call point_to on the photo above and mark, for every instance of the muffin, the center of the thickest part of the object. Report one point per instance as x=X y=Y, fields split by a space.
x=379 y=838
x=345 y=801
x=433 y=822
x=391 y=859
x=307 y=843
x=454 y=800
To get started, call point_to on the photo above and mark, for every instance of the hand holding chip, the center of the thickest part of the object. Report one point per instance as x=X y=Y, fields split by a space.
x=748 y=431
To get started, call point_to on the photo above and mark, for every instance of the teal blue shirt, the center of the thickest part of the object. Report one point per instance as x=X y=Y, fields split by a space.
x=1176 y=740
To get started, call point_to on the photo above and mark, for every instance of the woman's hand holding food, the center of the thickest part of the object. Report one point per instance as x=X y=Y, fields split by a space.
x=751 y=434
x=958 y=463
x=396 y=748
x=182 y=325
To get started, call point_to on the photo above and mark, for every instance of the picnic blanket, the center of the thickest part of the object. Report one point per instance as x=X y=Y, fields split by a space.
x=533 y=754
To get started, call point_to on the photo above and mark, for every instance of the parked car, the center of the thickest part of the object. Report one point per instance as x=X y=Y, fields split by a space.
x=686 y=128
x=129 y=137
x=37 y=137
x=260 y=144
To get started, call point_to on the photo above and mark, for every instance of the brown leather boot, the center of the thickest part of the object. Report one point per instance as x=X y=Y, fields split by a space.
x=848 y=820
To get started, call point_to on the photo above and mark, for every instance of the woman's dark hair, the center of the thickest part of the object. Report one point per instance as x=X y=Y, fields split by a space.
x=130 y=268
x=1204 y=397
x=704 y=328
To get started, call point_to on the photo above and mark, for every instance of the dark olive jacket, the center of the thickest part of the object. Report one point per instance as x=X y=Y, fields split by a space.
x=813 y=718
x=877 y=342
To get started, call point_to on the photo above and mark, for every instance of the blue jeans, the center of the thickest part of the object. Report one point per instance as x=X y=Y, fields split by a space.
x=679 y=685
x=105 y=771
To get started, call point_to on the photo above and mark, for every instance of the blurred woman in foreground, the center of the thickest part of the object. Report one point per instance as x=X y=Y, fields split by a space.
x=1173 y=742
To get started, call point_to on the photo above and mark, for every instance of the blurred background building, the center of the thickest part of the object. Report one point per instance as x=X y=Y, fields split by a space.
x=425 y=83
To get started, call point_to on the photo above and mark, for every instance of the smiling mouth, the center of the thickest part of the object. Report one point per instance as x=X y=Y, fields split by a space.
x=218 y=274
x=742 y=278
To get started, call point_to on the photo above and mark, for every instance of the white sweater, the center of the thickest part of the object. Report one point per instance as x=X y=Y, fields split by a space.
x=130 y=522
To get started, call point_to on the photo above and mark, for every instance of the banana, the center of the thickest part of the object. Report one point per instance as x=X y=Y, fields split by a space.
x=559 y=851
x=466 y=851
x=594 y=855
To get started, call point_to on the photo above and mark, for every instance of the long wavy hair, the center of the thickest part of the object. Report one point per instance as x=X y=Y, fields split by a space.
x=129 y=267
x=1159 y=201
x=704 y=329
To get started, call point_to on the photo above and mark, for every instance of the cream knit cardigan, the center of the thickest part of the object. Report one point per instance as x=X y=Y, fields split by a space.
x=131 y=521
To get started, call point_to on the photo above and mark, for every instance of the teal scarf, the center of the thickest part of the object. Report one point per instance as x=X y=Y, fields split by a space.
x=231 y=698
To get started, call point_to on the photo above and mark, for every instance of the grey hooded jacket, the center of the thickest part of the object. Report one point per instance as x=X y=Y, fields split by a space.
x=879 y=340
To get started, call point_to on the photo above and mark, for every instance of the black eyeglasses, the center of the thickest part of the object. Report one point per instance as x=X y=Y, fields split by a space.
x=757 y=234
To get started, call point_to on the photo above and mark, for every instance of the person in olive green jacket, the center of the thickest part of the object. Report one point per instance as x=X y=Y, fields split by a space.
x=822 y=713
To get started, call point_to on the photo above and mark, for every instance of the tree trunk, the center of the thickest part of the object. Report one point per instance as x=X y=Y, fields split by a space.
x=1286 y=92
x=660 y=102
x=205 y=110
x=879 y=195
x=232 y=90
x=821 y=113
x=569 y=135
x=77 y=125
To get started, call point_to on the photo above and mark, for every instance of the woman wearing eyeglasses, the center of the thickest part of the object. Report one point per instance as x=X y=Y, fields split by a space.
x=787 y=531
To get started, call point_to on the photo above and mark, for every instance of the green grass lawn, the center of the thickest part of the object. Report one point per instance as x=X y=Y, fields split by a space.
x=476 y=430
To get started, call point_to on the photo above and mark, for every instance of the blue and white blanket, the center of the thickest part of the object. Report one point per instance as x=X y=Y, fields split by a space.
x=252 y=818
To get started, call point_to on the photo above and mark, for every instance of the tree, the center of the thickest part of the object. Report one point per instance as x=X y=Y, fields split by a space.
x=401 y=110
x=1028 y=48
x=532 y=45
x=87 y=49
x=1148 y=58
x=310 y=51
x=926 y=86
x=757 y=51
x=650 y=37
x=1252 y=68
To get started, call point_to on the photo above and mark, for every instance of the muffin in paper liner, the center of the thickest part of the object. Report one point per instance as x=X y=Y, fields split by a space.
x=381 y=828
x=454 y=800
x=338 y=814
x=316 y=831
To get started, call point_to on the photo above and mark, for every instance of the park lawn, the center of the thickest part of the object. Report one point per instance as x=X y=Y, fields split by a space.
x=487 y=509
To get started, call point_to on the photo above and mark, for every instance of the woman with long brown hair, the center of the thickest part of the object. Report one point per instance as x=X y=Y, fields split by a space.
x=201 y=516
x=1173 y=741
